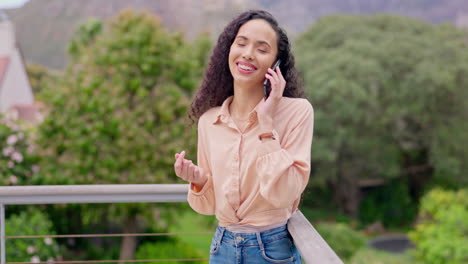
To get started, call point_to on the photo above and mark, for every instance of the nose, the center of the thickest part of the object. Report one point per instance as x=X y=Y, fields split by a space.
x=247 y=57
x=248 y=54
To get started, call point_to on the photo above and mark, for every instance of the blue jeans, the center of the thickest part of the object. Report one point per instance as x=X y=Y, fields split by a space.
x=271 y=246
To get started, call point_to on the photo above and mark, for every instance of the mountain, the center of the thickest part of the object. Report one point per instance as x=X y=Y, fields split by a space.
x=44 y=27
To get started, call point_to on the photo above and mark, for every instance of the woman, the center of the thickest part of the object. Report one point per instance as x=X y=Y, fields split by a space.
x=253 y=150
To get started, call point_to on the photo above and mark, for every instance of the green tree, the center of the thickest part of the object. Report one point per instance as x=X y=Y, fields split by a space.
x=84 y=37
x=390 y=99
x=118 y=114
x=41 y=78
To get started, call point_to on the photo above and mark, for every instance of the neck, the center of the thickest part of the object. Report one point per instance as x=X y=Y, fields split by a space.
x=244 y=101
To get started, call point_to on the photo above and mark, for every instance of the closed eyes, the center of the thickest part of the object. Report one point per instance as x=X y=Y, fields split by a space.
x=260 y=50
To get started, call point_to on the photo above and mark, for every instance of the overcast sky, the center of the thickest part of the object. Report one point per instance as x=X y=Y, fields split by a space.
x=11 y=3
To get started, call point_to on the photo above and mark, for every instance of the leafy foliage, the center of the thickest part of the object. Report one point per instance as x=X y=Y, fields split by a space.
x=442 y=234
x=343 y=239
x=32 y=222
x=84 y=36
x=18 y=163
x=391 y=204
x=118 y=113
x=385 y=84
x=390 y=99
x=40 y=78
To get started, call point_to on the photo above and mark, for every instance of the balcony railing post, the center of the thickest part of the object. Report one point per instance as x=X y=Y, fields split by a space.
x=2 y=234
x=313 y=248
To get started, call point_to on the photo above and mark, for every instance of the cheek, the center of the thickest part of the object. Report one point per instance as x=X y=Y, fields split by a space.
x=233 y=56
x=268 y=63
x=233 y=53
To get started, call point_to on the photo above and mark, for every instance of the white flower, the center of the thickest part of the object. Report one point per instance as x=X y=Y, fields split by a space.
x=13 y=179
x=48 y=241
x=35 y=259
x=31 y=249
x=7 y=151
x=17 y=156
x=12 y=139
x=35 y=168
x=11 y=164
x=30 y=149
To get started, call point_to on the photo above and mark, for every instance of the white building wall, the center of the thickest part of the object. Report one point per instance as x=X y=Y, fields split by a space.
x=7 y=38
x=15 y=87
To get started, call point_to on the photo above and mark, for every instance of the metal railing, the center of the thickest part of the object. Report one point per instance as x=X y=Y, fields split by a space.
x=309 y=242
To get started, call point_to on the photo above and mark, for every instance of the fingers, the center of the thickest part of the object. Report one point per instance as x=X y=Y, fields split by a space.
x=280 y=76
x=191 y=172
x=199 y=176
x=277 y=82
x=272 y=83
x=185 y=170
x=179 y=164
x=196 y=173
x=273 y=74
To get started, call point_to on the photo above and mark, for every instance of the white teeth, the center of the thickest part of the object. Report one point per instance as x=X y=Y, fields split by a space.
x=244 y=67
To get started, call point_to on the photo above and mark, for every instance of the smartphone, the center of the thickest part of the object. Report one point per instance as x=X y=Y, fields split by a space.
x=266 y=83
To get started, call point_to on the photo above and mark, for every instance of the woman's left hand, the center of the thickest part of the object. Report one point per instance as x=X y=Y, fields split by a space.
x=278 y=83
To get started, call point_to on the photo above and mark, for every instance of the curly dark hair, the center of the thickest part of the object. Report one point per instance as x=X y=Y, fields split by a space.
x=217 y=84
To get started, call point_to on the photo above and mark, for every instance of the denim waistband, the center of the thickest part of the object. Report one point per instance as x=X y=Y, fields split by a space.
x=224 y=235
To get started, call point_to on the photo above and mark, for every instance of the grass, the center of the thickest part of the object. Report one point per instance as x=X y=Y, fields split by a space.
x=371 y=256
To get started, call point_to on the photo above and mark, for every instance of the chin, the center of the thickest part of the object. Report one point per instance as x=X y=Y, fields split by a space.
x=247 y=81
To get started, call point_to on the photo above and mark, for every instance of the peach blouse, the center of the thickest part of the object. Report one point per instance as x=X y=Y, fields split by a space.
x=252 y=181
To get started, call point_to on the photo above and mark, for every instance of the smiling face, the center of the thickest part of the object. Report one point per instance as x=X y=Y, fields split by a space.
x=253 y=51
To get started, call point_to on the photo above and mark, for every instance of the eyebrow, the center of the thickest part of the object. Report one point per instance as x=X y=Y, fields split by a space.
x=258 y=41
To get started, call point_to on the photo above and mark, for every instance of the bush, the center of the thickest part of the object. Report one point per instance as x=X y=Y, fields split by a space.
x=32 y=222
x=390 y=204
x=442 y=234
x=167 y=250
x=17 y=161
x=342 y=239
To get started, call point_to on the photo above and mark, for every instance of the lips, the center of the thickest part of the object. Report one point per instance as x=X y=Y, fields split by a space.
x=245 y=67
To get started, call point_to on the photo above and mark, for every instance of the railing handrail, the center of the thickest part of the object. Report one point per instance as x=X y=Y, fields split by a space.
x=311 y=245
x=92 y=189
x=106 y=193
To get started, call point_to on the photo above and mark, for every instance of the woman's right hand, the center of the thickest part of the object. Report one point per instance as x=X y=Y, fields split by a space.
x=187 y=171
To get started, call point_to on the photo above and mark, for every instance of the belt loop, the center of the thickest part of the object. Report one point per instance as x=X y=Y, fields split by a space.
x=259 y=240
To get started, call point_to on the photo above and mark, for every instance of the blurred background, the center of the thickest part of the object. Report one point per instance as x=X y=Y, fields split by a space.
x=97 y=92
